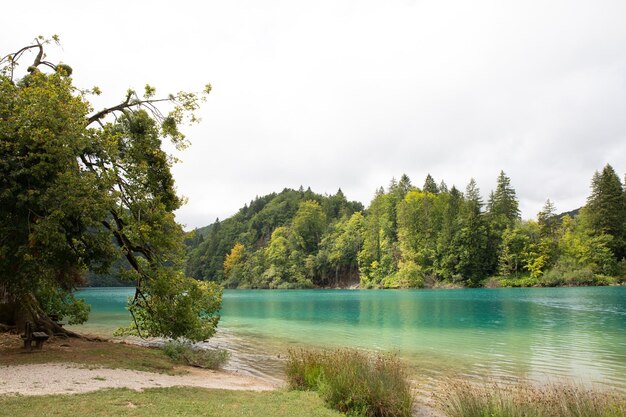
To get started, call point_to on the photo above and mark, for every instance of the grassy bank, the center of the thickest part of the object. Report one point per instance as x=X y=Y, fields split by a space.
x=179 y=401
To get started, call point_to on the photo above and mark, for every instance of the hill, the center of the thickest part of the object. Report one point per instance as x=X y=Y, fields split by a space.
x=275 y=241
x=415 y=237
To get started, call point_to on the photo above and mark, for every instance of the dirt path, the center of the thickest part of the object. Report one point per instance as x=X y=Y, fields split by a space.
x=56 y=378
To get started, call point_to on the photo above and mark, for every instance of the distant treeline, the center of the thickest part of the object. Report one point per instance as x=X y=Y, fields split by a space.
x=415 y=237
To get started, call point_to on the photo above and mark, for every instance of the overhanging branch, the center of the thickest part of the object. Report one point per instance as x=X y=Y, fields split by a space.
x=128 y=103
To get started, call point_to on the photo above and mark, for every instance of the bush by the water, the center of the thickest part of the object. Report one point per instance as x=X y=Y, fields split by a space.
x=353 y=382
x=186 y=354
x=464 y=399
x=556 y=277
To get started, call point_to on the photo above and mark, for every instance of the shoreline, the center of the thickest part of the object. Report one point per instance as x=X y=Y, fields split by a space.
x=58 y=369
x=72 y=377
x=621 y=282
x=259 y=350
x=68 y=377
x=75 y=378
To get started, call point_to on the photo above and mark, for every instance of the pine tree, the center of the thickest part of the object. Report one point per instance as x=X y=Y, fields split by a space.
x=472 y=195
x=606 y=208
x=470 y=242
x=404 y=184
x=503 y=204
x=393 y=185
x=430 y=186
x=548 y=220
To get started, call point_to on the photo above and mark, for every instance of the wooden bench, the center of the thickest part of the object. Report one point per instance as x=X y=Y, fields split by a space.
x=29 y=337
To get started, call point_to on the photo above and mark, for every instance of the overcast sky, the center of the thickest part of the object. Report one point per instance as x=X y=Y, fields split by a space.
x=349 y=94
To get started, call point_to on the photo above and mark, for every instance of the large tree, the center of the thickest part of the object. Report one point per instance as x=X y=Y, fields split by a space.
x=606 y=209
x=79 y=190
x=503 y=205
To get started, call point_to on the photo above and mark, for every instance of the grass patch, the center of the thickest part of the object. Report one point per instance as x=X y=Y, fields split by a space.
x=463 y=399
x=91 y=353
x=178 y=401
x=185 y=354
x=353 y=382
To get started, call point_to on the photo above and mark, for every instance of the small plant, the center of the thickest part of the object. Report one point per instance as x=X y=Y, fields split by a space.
x=464 y=399
x=353 y=382
x=185 y=353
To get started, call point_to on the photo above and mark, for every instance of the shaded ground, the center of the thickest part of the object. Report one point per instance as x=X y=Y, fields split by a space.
x=97 y=353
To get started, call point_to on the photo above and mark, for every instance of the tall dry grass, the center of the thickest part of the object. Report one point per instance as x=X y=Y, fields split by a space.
x=464 y=399
x=352 y=381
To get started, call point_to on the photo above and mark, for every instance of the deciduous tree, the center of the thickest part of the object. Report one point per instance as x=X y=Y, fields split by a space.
x=81 y=189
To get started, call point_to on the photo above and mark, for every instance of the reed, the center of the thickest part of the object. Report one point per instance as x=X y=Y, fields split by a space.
x=353 y=382
x=465 y=399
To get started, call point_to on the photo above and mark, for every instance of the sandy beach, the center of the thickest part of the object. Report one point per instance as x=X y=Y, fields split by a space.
x=65 y=366
x=67 y=378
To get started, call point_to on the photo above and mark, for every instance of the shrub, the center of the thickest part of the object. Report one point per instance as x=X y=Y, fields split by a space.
x=463 y=399
x=353 y=382
x=516 y=281
x=185 y=353
x=561 y=276
x=408 y=276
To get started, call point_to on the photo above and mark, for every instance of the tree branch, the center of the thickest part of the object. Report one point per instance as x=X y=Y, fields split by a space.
x=126 y=104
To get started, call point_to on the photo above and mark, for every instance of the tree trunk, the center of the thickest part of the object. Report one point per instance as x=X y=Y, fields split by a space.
x=27 y=308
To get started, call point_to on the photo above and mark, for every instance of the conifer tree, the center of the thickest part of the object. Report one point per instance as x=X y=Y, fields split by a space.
x=404 y=184
x=471 y=242
x=430 y=186
x=503 y=204
x=606 y=209
x=548 y=220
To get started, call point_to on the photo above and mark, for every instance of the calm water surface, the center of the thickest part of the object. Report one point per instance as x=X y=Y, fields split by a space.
x=538 y=333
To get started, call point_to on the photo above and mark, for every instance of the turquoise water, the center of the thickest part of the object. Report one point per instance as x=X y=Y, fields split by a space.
x=537 y=333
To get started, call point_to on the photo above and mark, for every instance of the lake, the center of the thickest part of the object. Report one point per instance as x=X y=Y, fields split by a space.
x=538 y=333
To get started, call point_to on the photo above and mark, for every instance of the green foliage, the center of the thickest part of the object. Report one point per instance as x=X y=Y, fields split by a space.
x=80 y=191
x=606 y=209
x=56 y=301
x=580 y=248
x=285 y=243
x=185 y=353
x=339 y=250
x=176 y=306
x=378 y=257
x=409 y=238
x=353 y=382
x=430 y=186
x=503 y=205
x=308 y=225
x=409 y=275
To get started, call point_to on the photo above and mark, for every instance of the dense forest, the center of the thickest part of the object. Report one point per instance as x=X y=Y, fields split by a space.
x=415 y=237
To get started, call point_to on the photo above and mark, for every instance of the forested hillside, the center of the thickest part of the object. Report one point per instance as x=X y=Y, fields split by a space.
x=412 y=236
x=278 y=240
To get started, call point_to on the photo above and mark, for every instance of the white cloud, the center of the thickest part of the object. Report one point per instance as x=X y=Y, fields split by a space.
x=348 y=94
